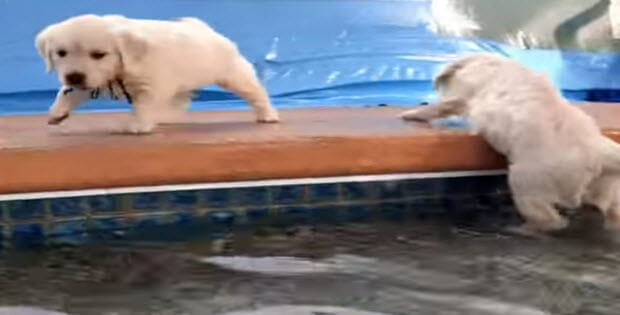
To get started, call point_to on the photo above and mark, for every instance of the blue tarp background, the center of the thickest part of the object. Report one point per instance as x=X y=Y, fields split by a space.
x=307 y=52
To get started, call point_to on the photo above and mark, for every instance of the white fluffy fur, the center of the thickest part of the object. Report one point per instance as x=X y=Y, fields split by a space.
x=159 y=62
x=614 y=18
x=557 y=154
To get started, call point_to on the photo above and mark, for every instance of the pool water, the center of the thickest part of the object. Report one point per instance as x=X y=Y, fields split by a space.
x=414 y=266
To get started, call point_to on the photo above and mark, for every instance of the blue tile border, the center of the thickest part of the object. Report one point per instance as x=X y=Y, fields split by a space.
x=31 y=222
x=252 y=196
x=184 y=199
x=360 y=191
x=26 y=209
x=323 y=192
x=67 y=207
x=219 y=198
x=294 y=194
x=4 y=211
x=102 y=204
x=147 y=201
x=391 y=190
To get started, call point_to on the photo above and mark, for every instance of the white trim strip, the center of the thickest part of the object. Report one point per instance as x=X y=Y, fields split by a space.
x=242 y=184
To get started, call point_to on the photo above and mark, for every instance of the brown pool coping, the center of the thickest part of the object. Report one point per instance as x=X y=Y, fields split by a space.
x=84 y=153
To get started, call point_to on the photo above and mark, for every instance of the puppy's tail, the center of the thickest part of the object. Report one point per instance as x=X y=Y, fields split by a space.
x=610 y=151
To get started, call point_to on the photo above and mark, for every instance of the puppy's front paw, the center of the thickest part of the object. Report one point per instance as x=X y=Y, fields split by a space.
x=547 y=226
x=414 y=114
x=268 y=116
x=56 y=120
x=526 y=231
x=612 y=226
x=137 y=127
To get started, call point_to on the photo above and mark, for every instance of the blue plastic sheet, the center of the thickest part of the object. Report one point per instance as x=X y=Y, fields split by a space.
x=307 y=52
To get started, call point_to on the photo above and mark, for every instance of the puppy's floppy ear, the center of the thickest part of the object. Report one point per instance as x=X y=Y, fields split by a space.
x=42 y=42
x=131 y=44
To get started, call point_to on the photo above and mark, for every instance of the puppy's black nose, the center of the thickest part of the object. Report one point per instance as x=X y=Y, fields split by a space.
x=75 y=78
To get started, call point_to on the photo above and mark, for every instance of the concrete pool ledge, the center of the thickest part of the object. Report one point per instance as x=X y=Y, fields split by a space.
x=213 y=147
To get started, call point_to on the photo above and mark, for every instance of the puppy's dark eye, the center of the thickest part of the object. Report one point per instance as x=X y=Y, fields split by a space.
x=61 y=53
x=97 y=55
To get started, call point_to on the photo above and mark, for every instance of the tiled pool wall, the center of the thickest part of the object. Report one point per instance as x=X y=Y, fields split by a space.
x=35 y=222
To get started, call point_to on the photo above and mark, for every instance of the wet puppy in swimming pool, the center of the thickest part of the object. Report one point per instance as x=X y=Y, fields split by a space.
x=155 y=65
x=557 y=155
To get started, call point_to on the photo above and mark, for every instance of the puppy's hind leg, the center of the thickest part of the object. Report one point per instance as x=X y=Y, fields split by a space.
x=147 y=110
x=242 y=80
x=443 y=108
x=175 y=111
x=533 y=195
x=604 y=193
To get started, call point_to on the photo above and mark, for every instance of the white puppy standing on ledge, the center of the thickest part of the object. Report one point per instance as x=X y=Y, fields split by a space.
x=154 y=65
x=557 y=155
